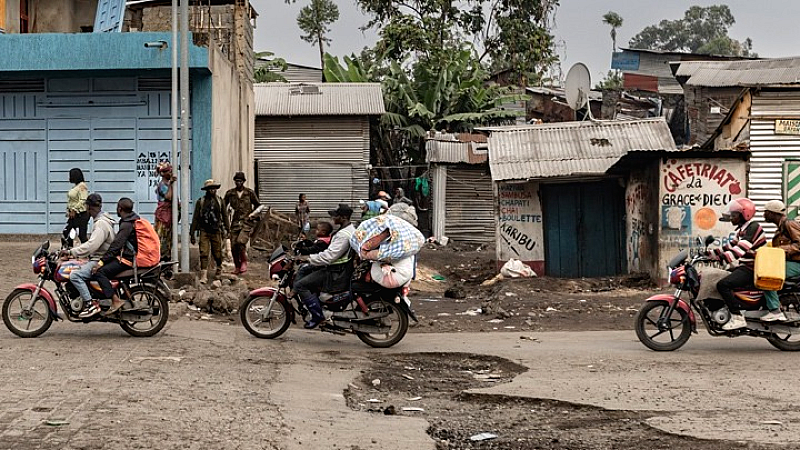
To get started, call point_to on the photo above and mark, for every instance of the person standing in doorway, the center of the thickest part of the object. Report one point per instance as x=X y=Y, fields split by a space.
x=244 y=205
x=77 y=216
x=212 y=223
x=163 y=215
x=303 y=213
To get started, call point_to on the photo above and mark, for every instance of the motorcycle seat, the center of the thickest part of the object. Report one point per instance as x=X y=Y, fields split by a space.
x=143 y=271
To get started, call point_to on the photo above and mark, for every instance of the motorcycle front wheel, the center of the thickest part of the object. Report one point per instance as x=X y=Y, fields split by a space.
x=26 y=324
x=395 y=321
x=158 y=308
x=670 y=335
x=262 y=323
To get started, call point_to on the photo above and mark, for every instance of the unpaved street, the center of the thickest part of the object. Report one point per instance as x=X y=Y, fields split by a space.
x=208 y=384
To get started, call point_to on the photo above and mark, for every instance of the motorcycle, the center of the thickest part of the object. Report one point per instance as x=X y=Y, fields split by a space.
x=30 y=309
x=665 y=322
x=379 y=318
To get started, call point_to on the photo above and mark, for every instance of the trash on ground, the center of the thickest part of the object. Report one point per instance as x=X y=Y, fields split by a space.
x=438 y=277
x=772 y=422
x=493 y=280
x=482 y=437
x=496 y=321
x=550 y=309
x=156 y=358
x=412 y=409
x=56 y=422
x=514 y=268
x=414 y=399
x=408 y=377
x=376 y=382
x=374 y=400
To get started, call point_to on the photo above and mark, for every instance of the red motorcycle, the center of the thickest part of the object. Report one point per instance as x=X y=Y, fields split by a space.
x=666 y=321
x=379 y=317
x=30 y=309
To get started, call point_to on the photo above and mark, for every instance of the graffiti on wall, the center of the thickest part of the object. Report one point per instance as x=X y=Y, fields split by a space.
x=693 y=194
x=637 y=196
x=146 y=177
x=519 y=233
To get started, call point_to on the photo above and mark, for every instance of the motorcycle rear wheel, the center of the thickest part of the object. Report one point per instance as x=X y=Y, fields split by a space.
x=253 y=317
x=19 y=321
x=784 y=343
x=159 y=306
x=397 y=321
x=647 y=329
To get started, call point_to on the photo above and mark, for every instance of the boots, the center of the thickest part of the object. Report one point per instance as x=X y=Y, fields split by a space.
x=203 y=276
x=315 y=308
x=237 y=261
x=218 y=273
x=243 y=259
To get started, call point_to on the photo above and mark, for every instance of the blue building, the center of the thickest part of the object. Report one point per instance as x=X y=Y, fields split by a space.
x=101 y=101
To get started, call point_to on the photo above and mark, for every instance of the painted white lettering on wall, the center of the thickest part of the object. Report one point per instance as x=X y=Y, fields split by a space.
x=520 y=222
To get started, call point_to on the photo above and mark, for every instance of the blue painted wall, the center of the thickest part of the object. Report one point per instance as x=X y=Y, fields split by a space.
x=201 y=132
x=91 y=51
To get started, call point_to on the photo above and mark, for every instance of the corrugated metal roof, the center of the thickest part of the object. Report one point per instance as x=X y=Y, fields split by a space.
x=456 y=148
x=763 y=72
x=318 y=99
x=571 y=148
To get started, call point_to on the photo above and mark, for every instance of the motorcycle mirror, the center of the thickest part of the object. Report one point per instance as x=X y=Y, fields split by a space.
x=709 y=240
x=45 y=245
x=73 y=233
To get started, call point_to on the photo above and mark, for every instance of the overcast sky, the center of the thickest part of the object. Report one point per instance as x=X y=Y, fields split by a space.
x=774 y=26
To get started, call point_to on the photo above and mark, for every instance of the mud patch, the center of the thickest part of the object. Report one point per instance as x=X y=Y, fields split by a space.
x=433 y=385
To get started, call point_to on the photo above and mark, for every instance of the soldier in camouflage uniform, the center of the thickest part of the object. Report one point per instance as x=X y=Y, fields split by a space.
x=211 y=221
x=244 y=205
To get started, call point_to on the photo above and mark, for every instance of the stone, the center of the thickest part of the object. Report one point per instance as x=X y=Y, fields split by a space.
x=203 y=299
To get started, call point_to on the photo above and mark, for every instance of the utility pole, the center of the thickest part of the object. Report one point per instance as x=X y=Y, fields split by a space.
x=185 y=157
x=174 y=113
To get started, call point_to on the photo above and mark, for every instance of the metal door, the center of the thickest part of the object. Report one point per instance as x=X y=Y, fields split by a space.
x=23 y=175
x=584 y=229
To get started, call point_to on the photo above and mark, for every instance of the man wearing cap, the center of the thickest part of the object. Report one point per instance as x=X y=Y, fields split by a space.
x=787 y=237
x=163 y=214
x=337 y=263
x=244 y=204
x=212 y=223
x=94 y=248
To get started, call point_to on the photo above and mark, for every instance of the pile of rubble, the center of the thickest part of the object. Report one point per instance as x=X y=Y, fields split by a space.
x=221 y=296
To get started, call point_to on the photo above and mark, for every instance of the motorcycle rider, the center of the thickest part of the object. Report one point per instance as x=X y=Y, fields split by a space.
x=95 y=247
x=336 y=261
x=122 y=246
x=787 y=237
x=749 y=237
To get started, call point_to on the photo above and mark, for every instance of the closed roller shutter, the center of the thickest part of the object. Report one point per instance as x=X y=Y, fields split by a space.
x=469 y=204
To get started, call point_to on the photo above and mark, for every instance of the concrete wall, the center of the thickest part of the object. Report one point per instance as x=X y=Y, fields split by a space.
x=693 y=193
x=91 y=51
x=232 y=122
x=62 y=16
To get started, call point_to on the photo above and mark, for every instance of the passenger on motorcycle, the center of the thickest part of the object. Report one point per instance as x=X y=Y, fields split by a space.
x=124 y=246
x=787 y=237
x=337 y=263
x=749 y=237
x=94 y=248
x=309 y=247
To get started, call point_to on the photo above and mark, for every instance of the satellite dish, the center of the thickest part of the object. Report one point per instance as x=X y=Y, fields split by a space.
x=576 y=86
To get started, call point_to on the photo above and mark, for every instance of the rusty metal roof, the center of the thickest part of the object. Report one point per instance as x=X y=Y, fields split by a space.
x=318 y=99
x=571 y=148
x=762 y=72
x=468 y=148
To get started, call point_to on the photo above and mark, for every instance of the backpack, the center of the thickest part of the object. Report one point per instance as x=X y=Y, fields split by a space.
x=148 y=251
x=208 y=217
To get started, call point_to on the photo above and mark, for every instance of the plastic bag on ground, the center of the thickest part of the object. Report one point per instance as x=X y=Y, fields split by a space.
x=393 y=275
x=386 y=238
x=515 y=268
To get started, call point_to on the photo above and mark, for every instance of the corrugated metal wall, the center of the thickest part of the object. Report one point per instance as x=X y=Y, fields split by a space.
x=769 y=150
x=325 y=158
x=469 y=203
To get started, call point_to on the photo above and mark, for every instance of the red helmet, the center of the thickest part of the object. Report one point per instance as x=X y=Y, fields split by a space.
x=743 y=206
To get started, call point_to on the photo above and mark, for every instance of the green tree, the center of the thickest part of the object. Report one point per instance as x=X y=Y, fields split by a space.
x=315 y=20
x=510 y=34
x=268 y=68
x=612 y=81
x=701 y=30
x=614 y=20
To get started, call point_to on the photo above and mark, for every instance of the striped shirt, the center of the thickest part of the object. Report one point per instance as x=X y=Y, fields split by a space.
x=749 y=237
